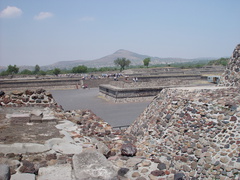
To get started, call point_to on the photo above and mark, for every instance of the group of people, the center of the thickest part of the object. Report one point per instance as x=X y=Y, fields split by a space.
x=135 y=79
x=84 y=86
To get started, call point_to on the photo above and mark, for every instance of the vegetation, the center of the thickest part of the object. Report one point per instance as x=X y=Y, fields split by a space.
x=26 y=72
x=221 y=61
x=56 y=71
x=80 y=69
x=36 y=69
x=146 y=62
x=122 y=62
x=12 y=69
x=42 y=72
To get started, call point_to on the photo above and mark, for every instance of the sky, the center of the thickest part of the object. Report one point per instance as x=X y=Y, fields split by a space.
x=44 y=32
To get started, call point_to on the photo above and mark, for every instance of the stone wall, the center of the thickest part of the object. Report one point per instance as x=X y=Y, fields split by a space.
x=27 y=98
x=195 y=132
x=155 y=81
x=129 y=92
x=63 y=83
x=231 y=76
x=176 y=71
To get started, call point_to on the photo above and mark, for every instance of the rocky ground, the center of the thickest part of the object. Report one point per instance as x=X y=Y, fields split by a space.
x=184 y=133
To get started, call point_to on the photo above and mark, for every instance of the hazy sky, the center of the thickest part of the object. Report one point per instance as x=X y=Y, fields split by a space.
x=46 y=31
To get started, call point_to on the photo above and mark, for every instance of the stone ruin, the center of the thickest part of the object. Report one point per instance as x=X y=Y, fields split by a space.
x=184 y=133
x=231 y=76
x=27 y=98
x=193 y=132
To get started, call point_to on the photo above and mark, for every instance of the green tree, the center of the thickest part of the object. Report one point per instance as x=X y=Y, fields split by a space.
x=79 y=69
x=146 y=62
x=4 y=73
x=221 y=61
x=36 y=69
x=122 y=62
x=56 y=71
x=26 y=71
x=41 y=72
x=12 y=69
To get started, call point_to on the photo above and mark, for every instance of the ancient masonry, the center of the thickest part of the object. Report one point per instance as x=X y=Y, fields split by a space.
x=184 y=133
x=231 y=76
x=27 y=98
x=192 y=132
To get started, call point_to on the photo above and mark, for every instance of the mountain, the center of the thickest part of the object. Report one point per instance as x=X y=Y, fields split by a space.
x=108 y=61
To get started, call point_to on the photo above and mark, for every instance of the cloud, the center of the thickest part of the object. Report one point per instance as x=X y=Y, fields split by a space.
x=87 y=18
x=10 y=12
x=43 y=15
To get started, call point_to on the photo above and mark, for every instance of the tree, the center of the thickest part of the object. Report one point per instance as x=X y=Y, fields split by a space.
x=26 y=71
x=79 y=69
x=36 y=69
x=41 y=72
x=12 y=69
x=146 y=62
x=221 y=61
x=122 y=62
x=56 y=71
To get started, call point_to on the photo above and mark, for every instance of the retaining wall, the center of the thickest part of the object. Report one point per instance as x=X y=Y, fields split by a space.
x=69 y=83
x=128 y=92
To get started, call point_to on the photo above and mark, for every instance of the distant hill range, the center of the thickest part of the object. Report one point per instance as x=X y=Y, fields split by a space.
x=108 y=61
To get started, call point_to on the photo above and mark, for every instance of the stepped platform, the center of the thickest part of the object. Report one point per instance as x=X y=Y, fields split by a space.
x=148 y=87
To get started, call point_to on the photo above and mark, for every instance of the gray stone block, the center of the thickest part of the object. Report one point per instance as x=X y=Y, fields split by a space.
x=4 y=172
x=49 y=119
x=91 y=165
x=23 y=176
x=67 y=148
x=36 y=119
x=37 y=112
x=17 y=148
x=56 y=172
x=20 y=118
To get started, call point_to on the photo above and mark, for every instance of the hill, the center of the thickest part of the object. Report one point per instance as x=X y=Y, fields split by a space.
x=108 y=61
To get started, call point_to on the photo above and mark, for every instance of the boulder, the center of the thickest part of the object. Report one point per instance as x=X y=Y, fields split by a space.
x=91 y=165
x=128 y=150
x=179 y=176
x=29 y=92
x=2 y=93
x=17 y=93
x=100 y=146
x=36 y=115
x=122 y=171
x=27 y=167
x=39 y=91
x=4 y=172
